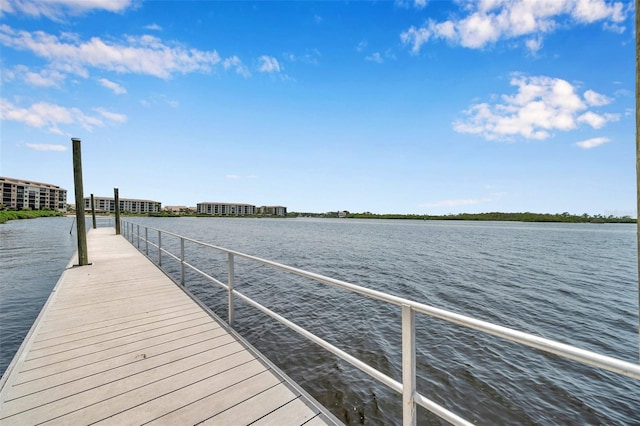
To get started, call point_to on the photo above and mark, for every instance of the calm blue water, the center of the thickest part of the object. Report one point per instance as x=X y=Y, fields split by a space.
x=576 y=283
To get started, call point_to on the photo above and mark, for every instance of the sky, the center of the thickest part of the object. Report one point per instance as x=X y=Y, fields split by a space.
x=410 y=107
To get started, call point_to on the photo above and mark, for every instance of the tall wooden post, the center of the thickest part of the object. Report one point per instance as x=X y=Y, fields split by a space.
x=93 y=212
x=116 y=200
x=83 y=258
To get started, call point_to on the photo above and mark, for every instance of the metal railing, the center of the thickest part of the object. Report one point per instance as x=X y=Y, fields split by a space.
x=410 y=395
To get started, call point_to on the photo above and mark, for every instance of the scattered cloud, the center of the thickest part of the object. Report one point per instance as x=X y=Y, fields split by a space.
x=361 y=46
x=111 y=116
x=42 y=78
x=153 y=27
x=310 y=57
x=596 y=99
x=235 y=63
x=113 y=86
x=268 y=64
x=375 y=57
x=51 y=116
x=159 y=100
x=57 y=9
x=417 y=4
x=317 y=18
x=597 y=120
x=487 y=22
x=592 y=143
x=540 y=106
x=134 y=54
x=46 y=147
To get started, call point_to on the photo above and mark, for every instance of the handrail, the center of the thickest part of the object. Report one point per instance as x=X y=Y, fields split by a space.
x=410 y=395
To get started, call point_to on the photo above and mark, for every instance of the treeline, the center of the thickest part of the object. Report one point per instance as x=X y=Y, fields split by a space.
x=498 y=216
x=6 y=215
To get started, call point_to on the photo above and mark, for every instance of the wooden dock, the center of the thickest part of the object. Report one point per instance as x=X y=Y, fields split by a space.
x=118 y=342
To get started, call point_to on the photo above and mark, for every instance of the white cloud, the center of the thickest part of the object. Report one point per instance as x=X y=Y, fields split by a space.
x=235 y=63
x=361 y=46
x=111 y=116
x=115 y=87
x=418 y=4
x=268 y=64
x=596 y=99
x=154 y=100
x=540 y=106
x=375 y=57
x=534 y=44
x=597 y=120
x=416 y=37
x=487 y=22
x=51 y=116
x=57 y=9
x=153 y=27
x=135 y=54
x=592 y=143
x=46 y=147
x=42 y=78
x=309 y=57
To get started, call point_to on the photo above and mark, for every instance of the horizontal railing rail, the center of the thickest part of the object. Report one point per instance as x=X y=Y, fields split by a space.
x=409 y=308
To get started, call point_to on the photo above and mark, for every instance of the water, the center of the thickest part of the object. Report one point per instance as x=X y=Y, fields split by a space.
x=33 y=254
x=576 y=283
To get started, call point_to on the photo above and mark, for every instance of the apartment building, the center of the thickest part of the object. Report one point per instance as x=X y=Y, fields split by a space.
x=226 y=209
x=272 y=210
x=22 y=194
x=108 y=205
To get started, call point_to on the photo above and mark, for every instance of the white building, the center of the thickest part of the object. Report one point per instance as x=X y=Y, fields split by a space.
x=21 y=194
x=108 y=205
x=226 y=209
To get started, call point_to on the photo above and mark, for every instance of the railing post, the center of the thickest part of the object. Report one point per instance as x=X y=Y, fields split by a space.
x=146 y=241
x=138 y=227
x=159 y=248
x=408 y=366
x=230 y=285
x=182 y=261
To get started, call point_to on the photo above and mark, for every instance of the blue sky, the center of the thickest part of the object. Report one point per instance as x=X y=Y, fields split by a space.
x=427 y=107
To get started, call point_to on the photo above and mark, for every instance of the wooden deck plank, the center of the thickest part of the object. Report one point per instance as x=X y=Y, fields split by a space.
x=106 y=400
x=256 y=407
x=292 y=413
x=118 y=342
x=169 y=330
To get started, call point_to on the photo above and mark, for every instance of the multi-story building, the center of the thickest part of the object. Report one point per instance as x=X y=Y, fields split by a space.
x=226 y=209
x=272 y=210
x=22 y=194
x=106 y=204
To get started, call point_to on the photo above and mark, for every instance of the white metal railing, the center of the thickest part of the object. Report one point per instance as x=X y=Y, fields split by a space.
x=410 y=396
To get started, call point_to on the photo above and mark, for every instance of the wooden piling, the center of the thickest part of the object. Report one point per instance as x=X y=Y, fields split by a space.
x=83 y=258
x=116 y=200
x=93 y=212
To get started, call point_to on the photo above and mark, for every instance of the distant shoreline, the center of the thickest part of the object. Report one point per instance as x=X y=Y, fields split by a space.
x=6 y=215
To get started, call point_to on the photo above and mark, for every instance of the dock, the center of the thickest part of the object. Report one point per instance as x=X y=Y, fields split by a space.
x=118 y=342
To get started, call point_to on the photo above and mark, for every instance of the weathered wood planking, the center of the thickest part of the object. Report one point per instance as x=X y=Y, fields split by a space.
x=119 y=343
